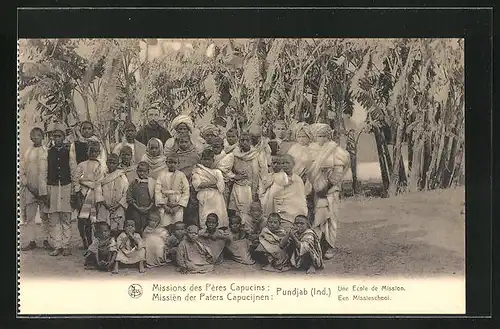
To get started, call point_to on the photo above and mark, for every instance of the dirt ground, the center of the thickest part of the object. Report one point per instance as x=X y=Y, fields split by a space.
x=411 y=235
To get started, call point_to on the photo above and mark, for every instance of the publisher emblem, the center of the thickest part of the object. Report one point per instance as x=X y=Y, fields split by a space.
x=135 y=290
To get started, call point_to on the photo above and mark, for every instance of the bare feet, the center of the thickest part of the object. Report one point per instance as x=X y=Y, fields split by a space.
x=66 y=252
x=115 y=268
x=311 y=270
x=56 y=252
x=88 y=267
x=30 y=246
x=329 y=253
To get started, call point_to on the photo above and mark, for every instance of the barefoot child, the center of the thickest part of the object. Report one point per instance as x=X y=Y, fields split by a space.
x=130 y=247
x=33 y=189
x=272 y=243
x=88 y=190
x=192 y=255
x=140 y=197
x=173 y=241
x=239 y=246
x=126 y=163
x=214 y=238
x=101 y=254
x=209 y=184
x=155 y=237
x=113 y=199
x=304 y=242
x=171 y=193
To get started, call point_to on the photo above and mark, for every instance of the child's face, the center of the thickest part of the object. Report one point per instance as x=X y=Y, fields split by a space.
x=87 y=130
x=130 y=134
x=126 y=158
x=142 y=172
x=58 y=138
x=276 y=163
x=300 y=224
x=154 y=148
x=182 y=129
x=36 y=137
x=172 y=164
x=217 y=146
x=231 y=137
x=279 y=130
x=184 y=144
x=192 y=233
x=235 y=225
x=130 y=227
x=207 y=162
x=287 y=164
x=245 y=143
x=302 y=138
x=273 y=223
x=93 y=154
x=103 y=232
x=321 y=138
x=212 y=223
x=180 y=230
x=112 y=164
x=255 y=211
x=153 y=221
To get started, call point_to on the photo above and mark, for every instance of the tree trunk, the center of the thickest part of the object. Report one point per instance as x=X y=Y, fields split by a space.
x=426 y=162
x=397 y=157
x=382 y=160
x=351 y=147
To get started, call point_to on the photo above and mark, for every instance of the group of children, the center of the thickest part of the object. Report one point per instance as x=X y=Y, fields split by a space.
x=186 y=202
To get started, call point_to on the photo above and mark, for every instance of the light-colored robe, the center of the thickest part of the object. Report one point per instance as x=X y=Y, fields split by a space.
x=102 y=155
x=194 y=257
x=155 y=240
x=309 y=246
x=171 y=189
x=88 y=175
x=114 y=188
x=269 y=244
x=211 y=200
x=138 y=150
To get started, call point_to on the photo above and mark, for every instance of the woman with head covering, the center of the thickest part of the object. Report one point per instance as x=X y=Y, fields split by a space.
x=154 y=157
x=129 y=139
x=325 y=176
x=182 y=125
x=301 y=136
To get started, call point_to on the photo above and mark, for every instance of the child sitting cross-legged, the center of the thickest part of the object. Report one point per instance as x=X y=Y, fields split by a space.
x=130 y=247
x=155 y=237
x=239 y=246
x=192 y=255
x=271 y=251
x=173 y=241
x=214 y=238
x=101 y=254
x=305 y=246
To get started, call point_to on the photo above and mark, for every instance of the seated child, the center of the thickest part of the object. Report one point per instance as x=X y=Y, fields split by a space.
x=130 y=247
x=258 y=221
x=140 y=197
x=192 y=255
x=101 y=254
x=113 y=200
x=173 y=241
x=239 y=246
x=305 y=245
x=171 y=193
x=271 y=251
x=155 y=238
x=214 y=238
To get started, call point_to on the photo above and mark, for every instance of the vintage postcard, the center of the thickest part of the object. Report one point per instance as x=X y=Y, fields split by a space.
x=241 y=176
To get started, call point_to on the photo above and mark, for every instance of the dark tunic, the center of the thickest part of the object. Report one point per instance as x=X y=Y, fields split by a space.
x=138 y=192
x=147 y=132
x=81 y=151
x=58 y=170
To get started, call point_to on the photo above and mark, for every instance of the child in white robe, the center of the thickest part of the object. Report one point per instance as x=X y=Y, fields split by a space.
x=171 y=193
x=209 y=183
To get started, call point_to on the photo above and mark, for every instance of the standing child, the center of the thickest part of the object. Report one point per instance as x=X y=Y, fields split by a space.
x=88 y=189
x=155 y=238
x=214 y=238
x=239 y=246
x=60 y=174
x=154 y=157
x=79 y=149
x=33 y=189
x=131 y=248
x=192 y=255
x=101 y=254
x=174 y=240
x=129 y=140
x=140 y=197
x=209 y=183
x=114 y=187
x=305 y=245
x=271 y=251
x=171 y=193
x=126 y=163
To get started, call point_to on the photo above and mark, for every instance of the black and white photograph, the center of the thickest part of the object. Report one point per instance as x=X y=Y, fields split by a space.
x=261 y=159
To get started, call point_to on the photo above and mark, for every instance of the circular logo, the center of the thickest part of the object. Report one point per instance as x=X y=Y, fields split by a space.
x=135 y=290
